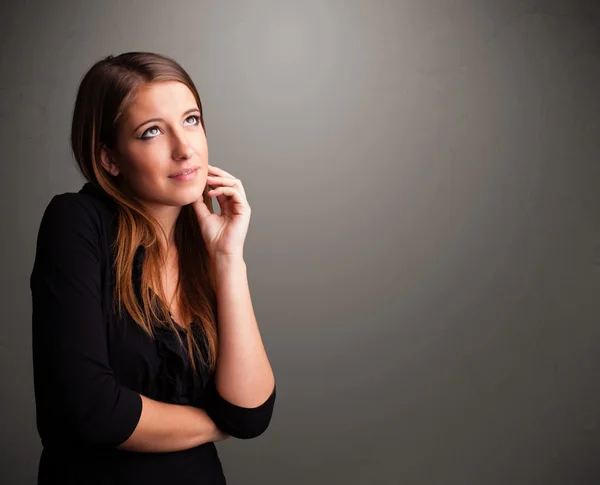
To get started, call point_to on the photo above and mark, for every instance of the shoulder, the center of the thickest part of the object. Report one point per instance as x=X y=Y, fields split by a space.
x=70 y=210
x=72 y=218
x=69 y=204
x=88 y=205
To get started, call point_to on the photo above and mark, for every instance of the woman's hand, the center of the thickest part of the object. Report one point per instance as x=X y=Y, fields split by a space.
x=224 y=234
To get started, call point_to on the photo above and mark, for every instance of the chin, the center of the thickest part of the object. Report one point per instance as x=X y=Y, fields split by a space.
x=189 y=196
x=176 y=196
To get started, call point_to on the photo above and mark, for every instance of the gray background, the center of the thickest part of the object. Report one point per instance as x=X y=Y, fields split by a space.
x=424 y=249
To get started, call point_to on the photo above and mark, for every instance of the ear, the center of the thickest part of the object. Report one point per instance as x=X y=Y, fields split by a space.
x=108 y=161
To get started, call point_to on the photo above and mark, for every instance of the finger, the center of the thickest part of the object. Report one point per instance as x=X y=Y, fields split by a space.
x=230 y=183
x=213 y=181
x=219 y=171
x=222 y=194
x=230 y=191
x=224 y=180
x=202 y=209
x=226 y=175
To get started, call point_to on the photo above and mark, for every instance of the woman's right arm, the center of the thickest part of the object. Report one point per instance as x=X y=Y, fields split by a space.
x=78 y=399
x=171 y=427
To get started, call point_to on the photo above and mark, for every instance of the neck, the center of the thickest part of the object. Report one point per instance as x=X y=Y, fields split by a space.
x=166 y=217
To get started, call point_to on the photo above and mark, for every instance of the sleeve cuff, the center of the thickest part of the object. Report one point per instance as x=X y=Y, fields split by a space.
x=238 y=421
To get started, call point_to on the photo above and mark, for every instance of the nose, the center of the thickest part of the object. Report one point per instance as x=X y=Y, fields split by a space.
x=184 y=153
x=182 y=150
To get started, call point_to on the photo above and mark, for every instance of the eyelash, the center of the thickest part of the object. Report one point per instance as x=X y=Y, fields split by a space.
x=155 y=126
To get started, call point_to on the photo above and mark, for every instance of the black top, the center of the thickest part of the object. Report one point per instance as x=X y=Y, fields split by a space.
x=89 y=365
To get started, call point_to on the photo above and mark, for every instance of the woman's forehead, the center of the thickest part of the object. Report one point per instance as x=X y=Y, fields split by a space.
x=159 y=100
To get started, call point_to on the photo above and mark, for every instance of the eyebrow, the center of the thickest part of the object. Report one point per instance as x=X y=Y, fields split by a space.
x=191 y=110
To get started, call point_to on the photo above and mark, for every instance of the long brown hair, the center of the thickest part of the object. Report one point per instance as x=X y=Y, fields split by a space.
x=105 y=92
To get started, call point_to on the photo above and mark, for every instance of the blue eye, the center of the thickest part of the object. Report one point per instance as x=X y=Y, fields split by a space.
x=149 y=129
x=196 y=117
x=197 y=123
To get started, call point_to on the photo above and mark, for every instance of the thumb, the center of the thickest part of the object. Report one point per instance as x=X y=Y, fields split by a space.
x=201 y=209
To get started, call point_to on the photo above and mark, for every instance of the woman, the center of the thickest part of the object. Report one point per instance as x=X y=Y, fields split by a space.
x=134 y=380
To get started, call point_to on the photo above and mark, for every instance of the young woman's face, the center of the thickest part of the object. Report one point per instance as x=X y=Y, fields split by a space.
x=159 y=136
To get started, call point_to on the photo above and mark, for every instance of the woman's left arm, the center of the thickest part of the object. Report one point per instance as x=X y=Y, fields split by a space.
x=241 y=393
x=243 y=374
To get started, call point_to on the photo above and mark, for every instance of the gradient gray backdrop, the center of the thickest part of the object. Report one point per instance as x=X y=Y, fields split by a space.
x=424 y=248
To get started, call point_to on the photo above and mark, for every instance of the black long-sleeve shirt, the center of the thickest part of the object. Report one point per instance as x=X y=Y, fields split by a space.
x=90 y=366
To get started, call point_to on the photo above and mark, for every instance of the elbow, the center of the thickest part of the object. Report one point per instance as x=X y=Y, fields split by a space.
x=239 y=422
x=248 y=434
x=250 y=429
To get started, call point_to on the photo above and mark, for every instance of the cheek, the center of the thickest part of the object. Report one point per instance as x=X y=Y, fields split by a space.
x=147 y=162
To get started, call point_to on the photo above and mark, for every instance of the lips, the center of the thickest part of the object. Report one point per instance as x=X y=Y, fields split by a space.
x=184 y=171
